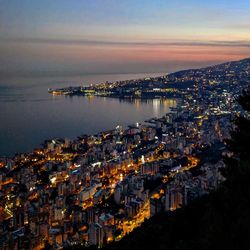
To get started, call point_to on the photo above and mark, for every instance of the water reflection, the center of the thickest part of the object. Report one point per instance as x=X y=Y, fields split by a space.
x=159 y=105
x=29 y=115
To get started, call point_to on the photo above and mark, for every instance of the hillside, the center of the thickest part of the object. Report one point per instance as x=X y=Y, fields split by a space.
x=233 y=68
x=174 y=85
x=220 y=220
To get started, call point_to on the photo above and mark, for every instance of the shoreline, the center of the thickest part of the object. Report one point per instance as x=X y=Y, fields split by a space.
x=94 y=134
x=108 y=184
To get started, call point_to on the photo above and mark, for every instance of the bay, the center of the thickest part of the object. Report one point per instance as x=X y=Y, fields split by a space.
x=29 y=114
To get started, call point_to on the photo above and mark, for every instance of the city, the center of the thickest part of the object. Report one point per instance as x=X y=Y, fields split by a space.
x=97 y=188
x=124 y=125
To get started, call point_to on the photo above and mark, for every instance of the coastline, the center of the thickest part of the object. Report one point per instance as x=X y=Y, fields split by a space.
x=51 y=116
x=17 y=154
x=109 y=183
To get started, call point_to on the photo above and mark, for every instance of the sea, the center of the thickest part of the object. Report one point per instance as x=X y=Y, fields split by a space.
x=29 y=115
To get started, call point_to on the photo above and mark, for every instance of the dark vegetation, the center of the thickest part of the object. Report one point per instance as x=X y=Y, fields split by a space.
x=220 y=220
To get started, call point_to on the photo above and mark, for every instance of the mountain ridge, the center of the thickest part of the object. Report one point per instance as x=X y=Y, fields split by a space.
x=245 y=60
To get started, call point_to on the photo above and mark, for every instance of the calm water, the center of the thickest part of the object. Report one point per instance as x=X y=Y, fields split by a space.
x=29 y=115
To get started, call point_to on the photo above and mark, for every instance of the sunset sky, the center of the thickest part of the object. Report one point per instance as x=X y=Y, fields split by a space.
x=126 y=36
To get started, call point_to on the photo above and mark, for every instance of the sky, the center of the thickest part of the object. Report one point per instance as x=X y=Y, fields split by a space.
x=64 y=37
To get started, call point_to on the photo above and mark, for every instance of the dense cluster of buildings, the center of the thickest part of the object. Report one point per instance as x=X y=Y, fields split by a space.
x=96 y=189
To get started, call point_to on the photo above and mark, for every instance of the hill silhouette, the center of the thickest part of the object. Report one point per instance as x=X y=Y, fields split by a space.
x=220 y=220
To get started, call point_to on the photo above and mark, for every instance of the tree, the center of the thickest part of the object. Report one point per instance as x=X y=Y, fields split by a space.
x=238 y=145
x=220 y=220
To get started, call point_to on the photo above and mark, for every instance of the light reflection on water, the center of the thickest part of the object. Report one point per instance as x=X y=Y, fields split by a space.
x=29 y=115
